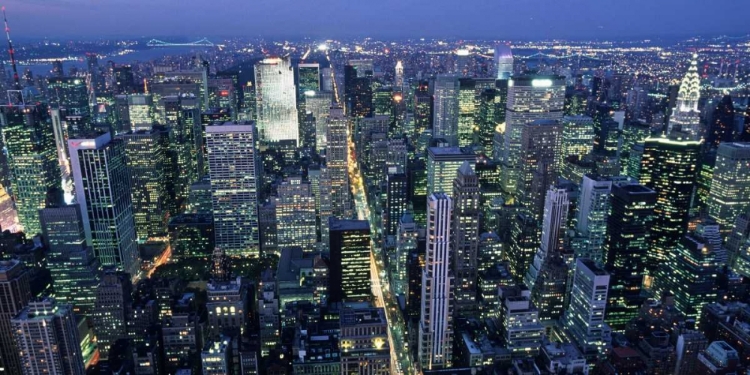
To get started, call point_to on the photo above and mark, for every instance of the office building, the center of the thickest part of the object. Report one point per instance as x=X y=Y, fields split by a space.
x=627 y=250
x=318 y=104
x=445 y=111
x=397 y=196
x=349 y=247
x=308 y=78
x=584 y=318
x=141 y=111
x=465 y=238
x=503 y=57
x=729 y=195
x=295 y=215
x=70 y=260
x=467 y=110
x=436 y=315
x=685 y=115
x=268 y=314
x=113 y=299
x=406 y=244
x=47 y=339
x=181 y=338
x=689 y=345
x=150 y=168
x=234 y=187
x=70 y=93
x=364 y=341
x=15 y=294
x=443 y=164
x=554 y=225
x=593 y=212
x=530 y=98
x=537 y=169
x=337 y=162
x=669 y=167
x=216 y=357
x=358 y=88
x=521 y=330
x=577 y=136
x=227 y=308
x=689 y=274
x=32 y=161
x=102 y=187
x=276 y=101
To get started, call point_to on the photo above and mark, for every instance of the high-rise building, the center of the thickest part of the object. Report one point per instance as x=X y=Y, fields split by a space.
x=467 y=110
x=268 y=313
x=318 y=104
x=577 y=136
x=337 y=162
x=406 y=244
x=141 y=111
x=689 y=345
x=593 y=212
x=537 y=170
x=487 y=119
x=308 y=78
x=216 y=357
x=584 y=318
x=520 y=322
x=442 y=165
x=276 y=103
x=397 y=196
x=422 y=110
x=227 y=307
x=15 y=293
x=436 y=317
x=554 y=224
x=113 y=300
x=503 y=61
x=71 y=261
x=627 y=250
x=530 y=98
x=295 y=215
x=32 y=160
x=465 y=238
x=730 y=186
x=398 y=80
x=689 y=274
x=349 y=246
x=445 y=111
x=234 y=187
x=669 y=167
x=150 y=182
x=722 y=127
x=70 y=93
x=358 y=88
x=102 y=187
x=685 y=115
x=47 y=339
x=364 y=341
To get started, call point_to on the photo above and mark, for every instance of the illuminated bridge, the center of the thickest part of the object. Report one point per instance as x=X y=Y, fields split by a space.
x=198 y=43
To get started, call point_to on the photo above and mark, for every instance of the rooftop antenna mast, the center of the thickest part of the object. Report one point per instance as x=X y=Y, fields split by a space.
x=11 y=51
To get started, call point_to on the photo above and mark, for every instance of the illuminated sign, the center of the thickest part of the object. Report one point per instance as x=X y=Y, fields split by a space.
x=541 y=83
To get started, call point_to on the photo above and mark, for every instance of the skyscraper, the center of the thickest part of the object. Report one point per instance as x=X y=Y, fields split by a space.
x=406 y=244
x=276 y=104
x=593 y=212
x=337 y=162
x=584 y=319
x=689 y=274
x=150 y=168
x=318 y=104
x=685 y=115
x=295 y=215
x=71 y=261
x=730 y=186
x=539 y=146
x=102 y=186
x=503 y=61
x=445 y=108
x=669 y=167
x=349 y=277
x=47 y=339
x=465 y=238
x=308 y=78
x=554 y=223
x=358 y=88
x=110 y=310
x=70 y=93
x=577 y=136
x=467 y=105
x=530 y=98
x=15 y=293
x=627 y=249
x=32 y=159
x=722 y=128
x=234 y=186
x=436 y=317
x=397 y=196
x=442 y=165
x=398 y=80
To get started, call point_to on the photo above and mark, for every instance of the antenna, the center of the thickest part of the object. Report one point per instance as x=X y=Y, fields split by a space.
x=16 y=84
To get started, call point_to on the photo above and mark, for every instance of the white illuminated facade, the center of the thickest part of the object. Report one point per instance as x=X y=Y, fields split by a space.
x=276 y=101
x=436 y=322
x=556 y=206
x=445 y=110
x=685 y=114
x=503 y=61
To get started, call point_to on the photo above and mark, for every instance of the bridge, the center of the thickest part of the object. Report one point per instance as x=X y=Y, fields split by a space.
x=198 y=43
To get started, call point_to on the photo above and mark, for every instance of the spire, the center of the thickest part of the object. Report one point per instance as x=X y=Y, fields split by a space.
x=689 y=92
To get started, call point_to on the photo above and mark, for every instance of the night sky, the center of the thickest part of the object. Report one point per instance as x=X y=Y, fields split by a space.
x=488 y=19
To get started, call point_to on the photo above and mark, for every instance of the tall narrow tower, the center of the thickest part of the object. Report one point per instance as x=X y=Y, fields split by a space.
x=685 y=114
x=465 y=238
x=436 y=323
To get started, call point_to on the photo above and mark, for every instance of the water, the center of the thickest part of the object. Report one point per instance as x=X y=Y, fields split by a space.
x=137 y=56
